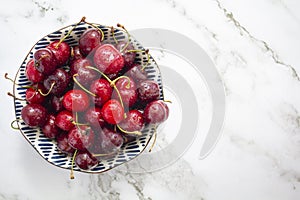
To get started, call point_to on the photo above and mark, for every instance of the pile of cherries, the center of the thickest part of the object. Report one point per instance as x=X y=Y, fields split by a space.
x=92 y=98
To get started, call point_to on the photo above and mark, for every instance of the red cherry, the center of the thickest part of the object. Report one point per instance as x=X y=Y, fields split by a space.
x=32 y=73
x=33 y=95
x=148 y=90
x=63 y=145
x=134 y=121
x=49 y=129
x=112 y=112
x=75 y=53
x=61 y=51
x=89 y=40
x=45 y=61
x=34 y=115
x=102 y=89
x=156 y=112
x=127 y=90
x=94 y=118
x=76 y=100
x=64 y=120
x=85 y=160
x=81 y=137
x=108 y=59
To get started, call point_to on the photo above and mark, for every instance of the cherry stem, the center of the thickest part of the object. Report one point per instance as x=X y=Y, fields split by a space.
x=10 y=94
x=99 y=29
x=154 y=140
x=10 y=79
x=130 y=132
x=78 y=124
x=70 y=31
x=82 y=87
x=167 y=101
x=128 y=36
x=12 y=124
x=143 y=51
x=113 y=35
x=103 y=154
x=72 y=165
x=49 y=91
x=111 y=84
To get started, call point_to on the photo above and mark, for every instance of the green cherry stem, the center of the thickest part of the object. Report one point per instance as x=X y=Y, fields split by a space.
x=154 y=140
x=96 y=27
x=49 y=91
x=113 y=34
x=11 y=95
x=70 y=31
x=129 y=132
x=115 y=80
x=112 y=84
x=128 y=36
x=12 y=124
x=72 y=165
x=10 y=79
x=82 y=87
x=142 y=51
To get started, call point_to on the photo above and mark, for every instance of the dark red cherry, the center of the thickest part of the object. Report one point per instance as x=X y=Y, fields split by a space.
x=84 y=75
x=64 y=120
x=34 y=115
x=49 y=129
x=108 y=59
x=75 y=53
x=81 y=137
x=128 y=56
x=107 y=142
x=61 y=51
x=85 y=160
x=94 y=118
x=102 y=89
x=127 y=90
x=63 y=145
x=56 y=104
x=89 y=40
x=45 y=61
x=156 y=112
x=60 y=78
x=137 y=73
x=148 y=90
x=76 y=100
x=32 y=73
x=33 y=95
x=134 y=121
x=78 y=63
x=112 y=112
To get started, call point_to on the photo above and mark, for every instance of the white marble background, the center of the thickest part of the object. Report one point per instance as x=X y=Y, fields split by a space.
x=255 y=45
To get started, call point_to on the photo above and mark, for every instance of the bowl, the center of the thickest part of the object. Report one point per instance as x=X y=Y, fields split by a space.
x=47 y=148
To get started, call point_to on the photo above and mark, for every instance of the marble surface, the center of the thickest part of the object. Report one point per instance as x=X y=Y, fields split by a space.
x=254 y=45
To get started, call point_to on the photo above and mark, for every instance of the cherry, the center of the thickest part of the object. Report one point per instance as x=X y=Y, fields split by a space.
x=34 y=115
x=124 y=48
x=85 y=160
x=81 y=137
x=33 y=95
x=102 y=89
x=112 y=112
x=133 y=122
x=89 y=40
x=108 y=59
x=63 y=145
x=94 y=118
x=137 y=73
x=84 y=75
x=76 y=100
x=32 y=73
x=128 y=138
x=75 y=53
x=64 y=120
x=49 y=129
x=61 y=51
x=156 y=112
x=56 y=103
x=57 y=82
x=148 y=90
x=127 y=89
x=45 y=61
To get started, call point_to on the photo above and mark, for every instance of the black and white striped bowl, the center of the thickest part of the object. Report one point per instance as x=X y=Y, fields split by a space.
x=47 y=148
